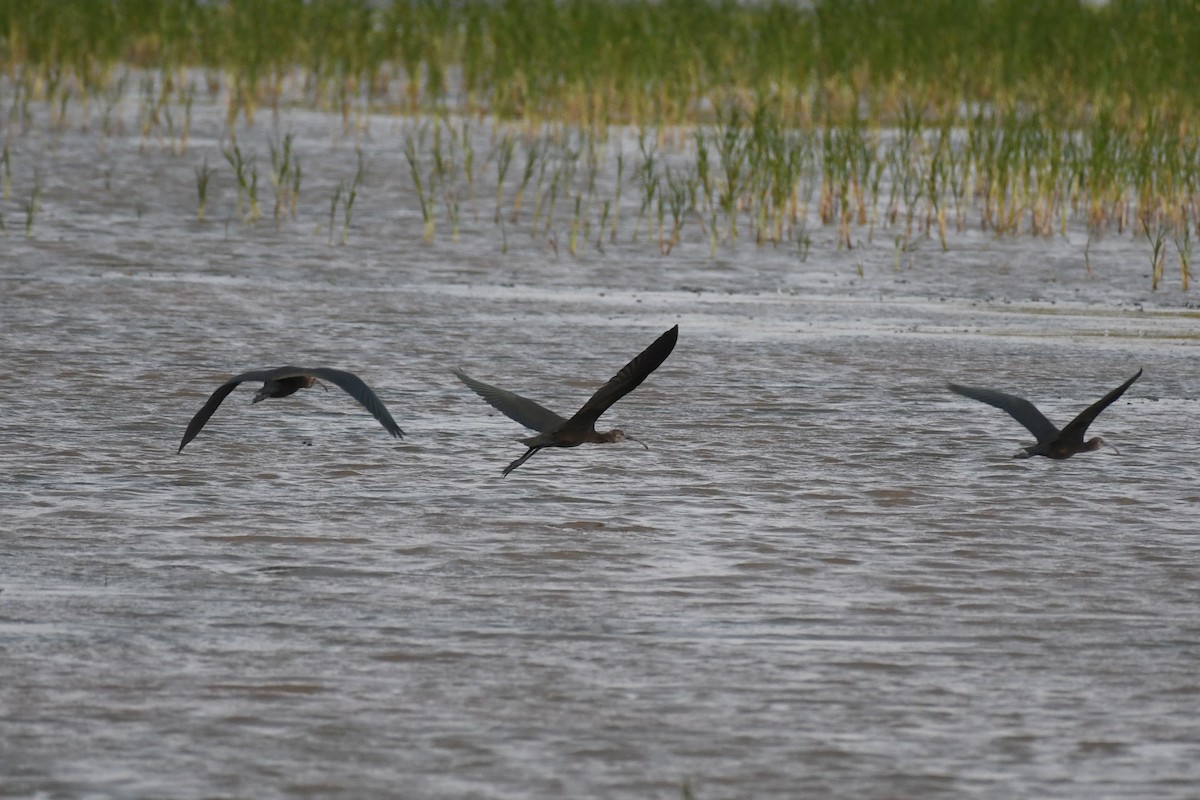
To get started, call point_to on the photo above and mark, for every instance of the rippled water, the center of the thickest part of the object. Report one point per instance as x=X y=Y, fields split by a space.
x=827 y=578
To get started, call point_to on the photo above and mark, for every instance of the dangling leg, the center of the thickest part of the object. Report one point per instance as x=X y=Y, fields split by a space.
x=522 y=459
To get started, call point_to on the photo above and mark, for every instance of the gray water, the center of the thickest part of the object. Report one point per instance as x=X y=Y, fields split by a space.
x=826 y=578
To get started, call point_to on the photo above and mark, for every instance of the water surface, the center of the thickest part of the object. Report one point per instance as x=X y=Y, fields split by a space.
x=826 y=578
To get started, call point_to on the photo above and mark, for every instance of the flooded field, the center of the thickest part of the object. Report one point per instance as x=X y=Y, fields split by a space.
x=826 y=578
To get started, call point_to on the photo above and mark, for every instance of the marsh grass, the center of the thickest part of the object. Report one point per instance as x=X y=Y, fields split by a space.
x=344 y=195
x=203 y=174
x=286 y=174
x=33 y=204
x=595 y=62
x=351 y=194
x=424 y=199
x=334 y=201
x=245 y=171
x=1157 y=240
x=1183 y=246
x=909 y=120
x=753 y=175
x=503 y=155
x=5 y=173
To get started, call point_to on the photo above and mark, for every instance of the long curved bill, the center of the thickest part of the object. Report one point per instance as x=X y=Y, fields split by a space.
x=639 y=441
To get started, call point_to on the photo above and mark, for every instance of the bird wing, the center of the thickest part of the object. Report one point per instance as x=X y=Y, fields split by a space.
x=356 y=388
x=1078 y=426
x=628 y=379
x=214 y=401
x=514 y=406
x=1019 y=408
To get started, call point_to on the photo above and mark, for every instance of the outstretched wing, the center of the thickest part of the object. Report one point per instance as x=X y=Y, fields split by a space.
x=214 y=401
x=356 y=388
x=1021 y=410
x=1078 y=427
x=628 y=379
x=514 y=406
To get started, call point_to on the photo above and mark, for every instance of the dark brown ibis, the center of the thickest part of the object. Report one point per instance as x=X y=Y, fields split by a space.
x=282 y=381
x=555 y=431
x=1051 y=442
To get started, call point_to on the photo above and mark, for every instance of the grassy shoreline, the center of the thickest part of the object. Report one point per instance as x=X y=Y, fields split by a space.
x=613 y=61
x=915 y=116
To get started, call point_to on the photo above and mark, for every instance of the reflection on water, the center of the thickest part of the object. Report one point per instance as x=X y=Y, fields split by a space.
x=827 y=572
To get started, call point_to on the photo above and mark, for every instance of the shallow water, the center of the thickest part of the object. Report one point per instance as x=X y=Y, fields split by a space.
x=826 y=578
